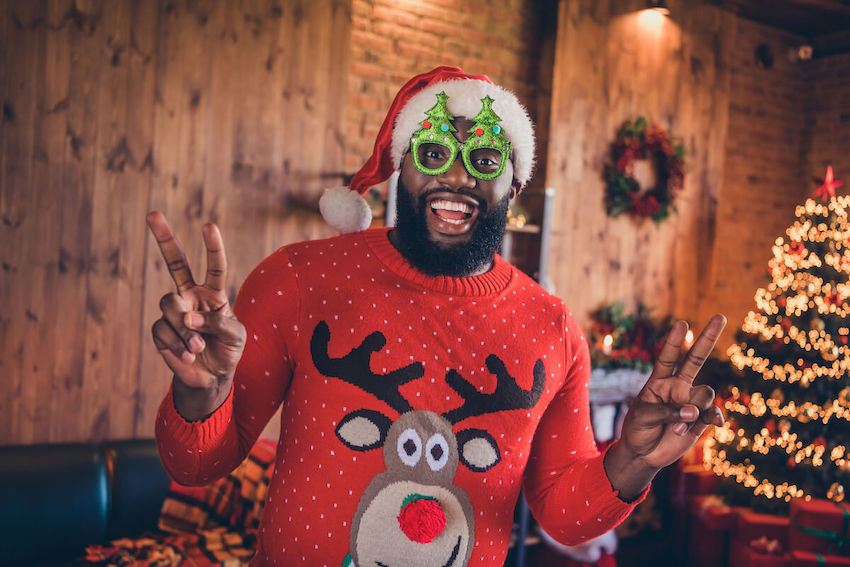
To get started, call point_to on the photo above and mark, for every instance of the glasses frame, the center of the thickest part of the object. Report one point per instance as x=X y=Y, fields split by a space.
x=447 y=140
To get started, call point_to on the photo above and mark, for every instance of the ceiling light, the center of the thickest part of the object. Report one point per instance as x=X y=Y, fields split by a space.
x=659 y=6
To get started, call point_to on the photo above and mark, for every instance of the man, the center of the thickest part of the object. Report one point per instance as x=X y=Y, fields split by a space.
x=423 y=379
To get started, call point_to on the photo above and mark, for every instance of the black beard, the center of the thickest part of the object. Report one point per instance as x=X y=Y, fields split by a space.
x=455 y=260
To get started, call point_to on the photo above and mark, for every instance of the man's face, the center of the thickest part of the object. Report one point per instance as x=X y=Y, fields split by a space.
x=451 y=223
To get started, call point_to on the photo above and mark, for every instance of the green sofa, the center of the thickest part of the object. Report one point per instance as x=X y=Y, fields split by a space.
x=55 y=499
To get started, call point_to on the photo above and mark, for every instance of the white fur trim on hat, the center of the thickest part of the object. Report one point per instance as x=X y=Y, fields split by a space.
x=345 y=210
x=465 y=100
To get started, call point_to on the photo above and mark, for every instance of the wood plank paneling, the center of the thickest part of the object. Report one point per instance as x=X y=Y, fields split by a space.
x=207 y=110
x=614 y=62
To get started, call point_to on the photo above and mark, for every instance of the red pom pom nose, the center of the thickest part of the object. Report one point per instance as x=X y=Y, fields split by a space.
x=421 y=518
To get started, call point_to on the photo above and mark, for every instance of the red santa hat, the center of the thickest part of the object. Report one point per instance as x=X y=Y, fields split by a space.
x=345 y=209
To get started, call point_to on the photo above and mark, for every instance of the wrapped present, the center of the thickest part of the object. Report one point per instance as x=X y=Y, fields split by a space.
x=687 y=481
x=810 y=559
x=711 y=522
x=744 y=556
x=820 y=526
x=753 y=526
x=755 y=536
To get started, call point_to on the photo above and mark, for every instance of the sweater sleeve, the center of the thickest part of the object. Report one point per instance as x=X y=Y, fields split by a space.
x=566 y=485
x=200 y=452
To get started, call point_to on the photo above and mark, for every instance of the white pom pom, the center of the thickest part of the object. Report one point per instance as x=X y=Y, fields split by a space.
x=345 y=210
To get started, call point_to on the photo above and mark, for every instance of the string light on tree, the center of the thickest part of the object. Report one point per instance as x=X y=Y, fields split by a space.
x=788 y=419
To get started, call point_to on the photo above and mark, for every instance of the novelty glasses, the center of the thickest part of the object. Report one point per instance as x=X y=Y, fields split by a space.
x=435 y=148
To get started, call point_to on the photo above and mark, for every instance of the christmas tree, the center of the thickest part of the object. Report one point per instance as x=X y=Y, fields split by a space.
x=788 y=420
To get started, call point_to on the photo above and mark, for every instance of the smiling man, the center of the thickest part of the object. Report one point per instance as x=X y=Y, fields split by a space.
x=423 y=380
x=451 y=223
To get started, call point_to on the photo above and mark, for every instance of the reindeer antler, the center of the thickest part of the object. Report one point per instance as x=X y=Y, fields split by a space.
x=355 y=369
x=507 y=396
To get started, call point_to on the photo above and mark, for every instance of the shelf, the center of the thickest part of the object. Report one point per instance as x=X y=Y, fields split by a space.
x=526 y=228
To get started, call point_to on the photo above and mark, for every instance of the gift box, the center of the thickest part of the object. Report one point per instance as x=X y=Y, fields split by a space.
x=820 y=526
x=691 y=480
x=711 y=523
x=753 y=526
x=809 y=559
x=749 y=557
x=751 y=530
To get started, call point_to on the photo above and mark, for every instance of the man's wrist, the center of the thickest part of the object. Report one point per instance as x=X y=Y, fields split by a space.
x=197 y=404
x=627 y=472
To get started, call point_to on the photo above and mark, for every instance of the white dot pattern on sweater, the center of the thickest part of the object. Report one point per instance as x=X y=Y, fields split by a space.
x=449 y=329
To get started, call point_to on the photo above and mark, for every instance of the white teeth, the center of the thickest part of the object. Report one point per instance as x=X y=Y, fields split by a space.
x=451 y=206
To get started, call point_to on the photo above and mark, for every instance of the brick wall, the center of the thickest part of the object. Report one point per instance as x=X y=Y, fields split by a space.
x=393 y=40
x=764 y=175
x=828 y=116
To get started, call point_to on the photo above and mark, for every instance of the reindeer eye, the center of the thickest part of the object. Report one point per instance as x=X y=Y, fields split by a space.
x=437 y=452
x=409 y=447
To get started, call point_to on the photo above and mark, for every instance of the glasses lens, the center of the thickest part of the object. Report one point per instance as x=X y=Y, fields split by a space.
x=434 y=157
x=485 y=161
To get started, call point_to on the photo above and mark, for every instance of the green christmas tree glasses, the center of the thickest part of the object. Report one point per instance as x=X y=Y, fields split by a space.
x=435 y=148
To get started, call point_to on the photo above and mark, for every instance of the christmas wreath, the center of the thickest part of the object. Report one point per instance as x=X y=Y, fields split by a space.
x=637 y=140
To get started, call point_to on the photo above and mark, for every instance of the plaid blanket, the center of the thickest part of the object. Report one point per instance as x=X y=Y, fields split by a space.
x=203 y=526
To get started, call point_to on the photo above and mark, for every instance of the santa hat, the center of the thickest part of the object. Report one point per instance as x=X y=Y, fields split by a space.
x=345 y=209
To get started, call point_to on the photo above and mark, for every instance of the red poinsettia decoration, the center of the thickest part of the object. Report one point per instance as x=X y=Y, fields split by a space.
x=618 y=340
x=796 y=248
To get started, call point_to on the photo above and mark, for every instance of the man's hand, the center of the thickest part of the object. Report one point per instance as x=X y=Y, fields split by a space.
x=668 y=415
x=198 y=336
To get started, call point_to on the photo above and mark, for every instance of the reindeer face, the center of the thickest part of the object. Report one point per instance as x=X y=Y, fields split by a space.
x=413 y=513
x=421 y=443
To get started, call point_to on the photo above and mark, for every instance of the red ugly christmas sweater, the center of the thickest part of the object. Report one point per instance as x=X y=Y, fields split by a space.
x=414 y=409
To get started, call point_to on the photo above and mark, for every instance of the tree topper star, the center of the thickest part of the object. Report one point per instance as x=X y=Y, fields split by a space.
x=828 y=185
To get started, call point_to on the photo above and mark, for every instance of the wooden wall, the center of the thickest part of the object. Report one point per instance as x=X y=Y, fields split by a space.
x=231 y=110
x=827 y=111
x=613 y=63
x=224 y=111
x=755 y=136
x=764 y=177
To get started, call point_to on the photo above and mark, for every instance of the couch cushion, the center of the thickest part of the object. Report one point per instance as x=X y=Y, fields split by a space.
x=139 y=485
x=53 y=501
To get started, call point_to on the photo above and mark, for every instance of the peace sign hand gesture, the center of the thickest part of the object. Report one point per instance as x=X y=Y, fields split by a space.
x=198 y=335
x=668 y=415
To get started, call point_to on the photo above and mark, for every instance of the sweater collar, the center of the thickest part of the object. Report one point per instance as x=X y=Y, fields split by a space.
x=492 y=281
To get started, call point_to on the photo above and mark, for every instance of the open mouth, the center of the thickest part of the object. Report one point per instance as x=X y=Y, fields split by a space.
x=452 y=213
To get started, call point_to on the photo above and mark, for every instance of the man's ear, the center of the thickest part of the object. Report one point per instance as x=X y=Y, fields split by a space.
x=515 y=188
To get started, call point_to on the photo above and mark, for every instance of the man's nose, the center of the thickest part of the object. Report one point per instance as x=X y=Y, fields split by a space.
x=457 y=176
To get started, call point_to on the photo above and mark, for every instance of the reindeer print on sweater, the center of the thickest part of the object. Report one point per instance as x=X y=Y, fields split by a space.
x=413 y=409
x=413 y=511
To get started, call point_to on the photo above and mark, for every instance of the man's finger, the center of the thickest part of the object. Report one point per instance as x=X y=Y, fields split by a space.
x=669 y=354
x=226 y=329
x=702 y=396
x=167 y=340
x=648 y=414
x=173 y=309
x=702 y=348
x=711 y=416
x=171 y=252
x=216 y=278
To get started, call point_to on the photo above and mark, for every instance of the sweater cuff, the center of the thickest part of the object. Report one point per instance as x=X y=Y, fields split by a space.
x=608 y=494
x=202 y=434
